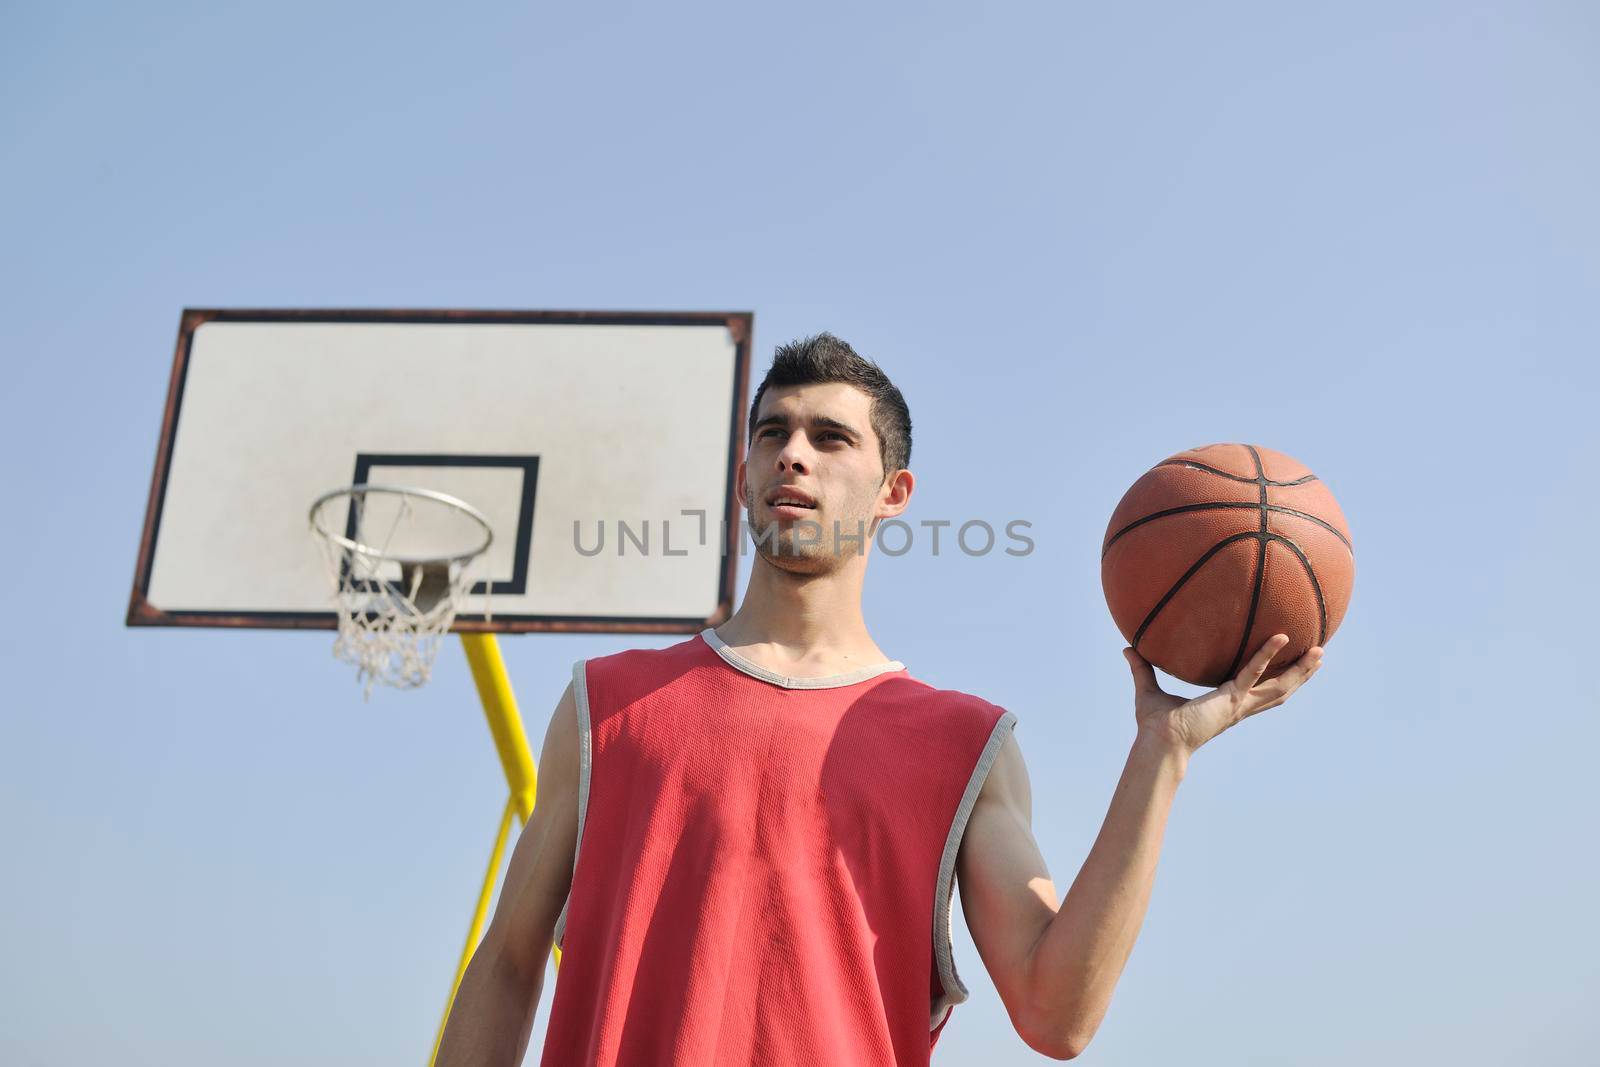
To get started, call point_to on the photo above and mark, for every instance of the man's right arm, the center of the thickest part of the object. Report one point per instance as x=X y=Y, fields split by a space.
x=492 y=1016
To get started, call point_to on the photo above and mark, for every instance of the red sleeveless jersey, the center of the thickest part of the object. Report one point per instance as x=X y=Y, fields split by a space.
x=764 y=864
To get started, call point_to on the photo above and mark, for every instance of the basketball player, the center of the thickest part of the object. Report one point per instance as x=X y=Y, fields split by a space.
x=745 y=843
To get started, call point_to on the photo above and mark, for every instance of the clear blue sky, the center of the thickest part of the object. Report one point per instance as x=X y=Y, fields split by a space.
x=1080 y=239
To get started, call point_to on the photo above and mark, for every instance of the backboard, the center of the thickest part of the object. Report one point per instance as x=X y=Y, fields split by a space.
x=601 y=446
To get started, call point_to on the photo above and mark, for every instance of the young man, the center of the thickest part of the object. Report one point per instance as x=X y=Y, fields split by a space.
x=745 y=842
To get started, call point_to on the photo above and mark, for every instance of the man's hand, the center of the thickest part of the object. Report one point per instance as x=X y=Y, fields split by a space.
x=1188 y=724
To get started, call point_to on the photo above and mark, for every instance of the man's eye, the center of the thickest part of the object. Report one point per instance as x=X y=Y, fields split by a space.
x=821 y=437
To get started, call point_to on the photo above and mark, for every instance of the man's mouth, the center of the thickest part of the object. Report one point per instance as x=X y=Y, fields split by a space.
x=790 y=504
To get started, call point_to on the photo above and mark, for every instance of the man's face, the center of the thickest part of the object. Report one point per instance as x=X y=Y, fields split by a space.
x=814 y=443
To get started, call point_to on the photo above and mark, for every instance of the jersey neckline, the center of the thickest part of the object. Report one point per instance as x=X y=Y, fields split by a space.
x=827 y=681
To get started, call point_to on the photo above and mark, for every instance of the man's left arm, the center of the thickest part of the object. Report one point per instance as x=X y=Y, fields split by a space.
x=1056 y=967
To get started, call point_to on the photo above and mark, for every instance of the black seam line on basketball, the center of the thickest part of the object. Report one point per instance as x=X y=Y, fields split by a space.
x=1179 y=584
x=1231 y=477
x=1261 y=481
x=1218 y=504
x=1255 y=604
x=1316 y=586
x=1261 y=567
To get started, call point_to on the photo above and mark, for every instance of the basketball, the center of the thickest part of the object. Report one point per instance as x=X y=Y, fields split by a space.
x=1216 y=549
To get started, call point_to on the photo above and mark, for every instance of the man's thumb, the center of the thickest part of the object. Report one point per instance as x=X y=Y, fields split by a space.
x=1144 y=675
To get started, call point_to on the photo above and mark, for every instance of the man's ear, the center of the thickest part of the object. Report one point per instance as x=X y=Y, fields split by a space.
x=898 y=497
x=740 y=486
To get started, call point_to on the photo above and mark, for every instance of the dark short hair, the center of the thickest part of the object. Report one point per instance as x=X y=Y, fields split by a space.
x=823 y=359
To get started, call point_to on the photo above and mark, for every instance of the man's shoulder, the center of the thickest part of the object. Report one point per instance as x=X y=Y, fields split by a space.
x=632 y=673
x=959 y=698
x=956 y=704
x=646 y=657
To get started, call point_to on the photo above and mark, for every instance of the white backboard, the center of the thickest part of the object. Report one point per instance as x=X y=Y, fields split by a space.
x=568 y=430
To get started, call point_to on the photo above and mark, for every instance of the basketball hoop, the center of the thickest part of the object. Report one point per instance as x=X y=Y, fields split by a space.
x=399 y=576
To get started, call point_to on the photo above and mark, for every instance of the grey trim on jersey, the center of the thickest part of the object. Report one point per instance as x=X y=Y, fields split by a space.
x=954 y=991
x=580 y=693
x=828 y=681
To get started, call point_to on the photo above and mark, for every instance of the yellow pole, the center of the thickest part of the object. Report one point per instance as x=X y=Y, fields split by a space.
x=505 y=724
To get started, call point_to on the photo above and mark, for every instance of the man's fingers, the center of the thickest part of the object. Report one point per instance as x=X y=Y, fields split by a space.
x=1271 y=693
x=1144 y=675
x=1307 y=664
x=1252 y=671
x=1302 y=668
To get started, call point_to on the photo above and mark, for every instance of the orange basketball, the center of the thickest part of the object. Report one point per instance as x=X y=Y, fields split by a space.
x=1218 y=548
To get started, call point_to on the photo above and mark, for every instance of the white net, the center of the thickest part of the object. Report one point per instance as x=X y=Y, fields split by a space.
x=393 y=607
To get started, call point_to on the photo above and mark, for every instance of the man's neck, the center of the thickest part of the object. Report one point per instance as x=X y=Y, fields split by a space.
x=802 y=625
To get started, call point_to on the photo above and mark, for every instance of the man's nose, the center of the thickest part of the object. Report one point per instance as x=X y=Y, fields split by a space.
x=794 y=454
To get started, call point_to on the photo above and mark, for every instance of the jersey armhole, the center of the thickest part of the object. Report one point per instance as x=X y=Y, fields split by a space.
x=580 y=694
x=944 y=960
